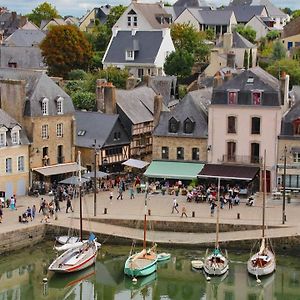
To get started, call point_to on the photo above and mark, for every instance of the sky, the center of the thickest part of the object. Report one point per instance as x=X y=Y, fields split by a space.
x=78 y=7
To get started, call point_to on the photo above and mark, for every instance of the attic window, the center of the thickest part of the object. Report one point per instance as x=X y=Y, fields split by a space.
x=81 y=132
x=296 y=124
x=256 y=98
x=59 y=105
x=250 y=80
x=129 y=55
x=232 y=97
x=45 y=107
x=188 y=126
x=173 y=125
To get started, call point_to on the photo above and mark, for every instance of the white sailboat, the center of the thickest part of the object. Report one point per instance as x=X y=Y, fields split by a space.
x=81 y=257
x=215 y=262
x=263 y=262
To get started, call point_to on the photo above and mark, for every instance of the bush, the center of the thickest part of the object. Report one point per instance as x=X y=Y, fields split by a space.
x=273 y=35
x=77 y=74
x=84 y=100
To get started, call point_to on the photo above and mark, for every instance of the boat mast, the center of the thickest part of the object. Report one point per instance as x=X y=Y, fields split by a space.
x=145 y=218
x=218 y=212
x=80 y=196
x=264 y=196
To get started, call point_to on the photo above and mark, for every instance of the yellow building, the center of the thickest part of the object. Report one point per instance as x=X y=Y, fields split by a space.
x=14 y=171
x=291 y=34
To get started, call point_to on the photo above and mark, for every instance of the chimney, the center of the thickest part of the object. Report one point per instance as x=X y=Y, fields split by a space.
x=130 y=83
x=218 y=80
x=227 y=41
x=284 y=89
x=13 y=16
x=110 y=105
x=231 y=60
x=146 y=79
x=228 y=76
x=100 y=84
x=158 y=103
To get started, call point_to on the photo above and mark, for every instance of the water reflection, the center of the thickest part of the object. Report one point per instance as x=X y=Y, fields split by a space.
x=21 y=277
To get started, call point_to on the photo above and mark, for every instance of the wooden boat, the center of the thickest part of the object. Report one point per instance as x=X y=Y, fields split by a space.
x=145 y=262
x=216 y=263
x=66 y=239
x=163 y=256
x=263 y=262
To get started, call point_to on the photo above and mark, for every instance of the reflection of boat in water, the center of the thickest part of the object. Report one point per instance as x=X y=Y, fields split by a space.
x=265 y=281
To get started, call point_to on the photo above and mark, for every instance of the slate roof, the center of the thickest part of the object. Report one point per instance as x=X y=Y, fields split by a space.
x=211 y=17
x=25 y=37
x=10 y=22
x=287 y=128
x=238 y=41
x=191 y=3
x=148 y=43
x=292 y=28
x=9 y=122
x=98 y=126
x=194 y=106
x=261 y=81
x=244 y=13
x=38 y=86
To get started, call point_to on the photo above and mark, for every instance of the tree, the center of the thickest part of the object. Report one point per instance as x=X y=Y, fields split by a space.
x=273 y=35
x=247 y=32
x=278 y=51
x=65 y=48
x=114 y=15
x=246 y=60
x=287 y=10
x=251 y=59
x=77 y=74
x=296 y=13
x=84 y=100
x=179 y=63
x=44 y=11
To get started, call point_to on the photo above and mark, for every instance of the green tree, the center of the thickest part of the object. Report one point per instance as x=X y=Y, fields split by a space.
x=84 y=100
x=179 y=63
x=65 y=48
x=278 y=51
x=296 y=13
x=247 y=32
x=287 y=10
x=77 y=74
x=246 y=60
x=114 y=15
x=273 y=35
x=44 y=11
x=251 y=59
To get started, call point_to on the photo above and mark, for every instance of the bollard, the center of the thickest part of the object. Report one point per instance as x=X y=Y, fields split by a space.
x=193 y=214
x=149 y=212
x=105 y=210
x=238 y=216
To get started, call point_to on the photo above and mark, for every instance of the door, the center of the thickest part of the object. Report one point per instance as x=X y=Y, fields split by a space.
x=9 y=190
x=21 y=191
x=254 y=153
x=231 y=151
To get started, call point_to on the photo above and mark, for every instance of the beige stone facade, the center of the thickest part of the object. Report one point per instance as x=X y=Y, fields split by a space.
x=175 y=142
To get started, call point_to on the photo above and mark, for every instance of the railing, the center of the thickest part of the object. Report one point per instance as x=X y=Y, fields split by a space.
x=242 y=159
x=60 y=159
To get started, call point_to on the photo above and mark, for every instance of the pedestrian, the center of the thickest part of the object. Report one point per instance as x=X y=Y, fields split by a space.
x=15 y=198
x=42 y=204
x=56 y=203
x=131 y=192
x=111 y=196
x=212 y=208
x=45 y=212
x=222 y=202
x=33 y=211
x=1 y=214
x=120 y=192
x=183 y=211
x=230 y=200
x=12 y=203
x=69 y=205
x=175 y=205
x=29 y=214
x=7 y=203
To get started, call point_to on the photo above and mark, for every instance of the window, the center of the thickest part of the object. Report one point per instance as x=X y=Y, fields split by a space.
x=173 y=125
x=81 y=132
x=113 y=151
x=45 y=132
x=231 y=151
x=129 y=21
x=254 y=153
x=231 y=124
x=135 y=24
x=21 y=165
x=256 y=98
x=129 y=55
x=3 y=139
x=117 y=136
x=232 y=97
x=59 y=104
x=60 y=157
x=296 y=124
x=59 y=130
x=180 y=153
x=15 y=137
x=165 y=152
x=188 y=126
x=296 y=157
x=131 y=18
x=195 y=153
x=8 y=165
x=255 y=125
x=45 y=103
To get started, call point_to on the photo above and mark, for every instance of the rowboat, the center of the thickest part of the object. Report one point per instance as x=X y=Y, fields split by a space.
x=163 y=256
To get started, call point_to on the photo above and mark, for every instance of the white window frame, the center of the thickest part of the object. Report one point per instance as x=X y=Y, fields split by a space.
x=45 y=132
x=60 y=105
x=129 y=55
x=129 y=21
x=8 y=166
x=296 y=157
x=135 y=21
x=60 y=130
x=21 y=163
x=45 y=107
x=3 y=131
x=15 y=137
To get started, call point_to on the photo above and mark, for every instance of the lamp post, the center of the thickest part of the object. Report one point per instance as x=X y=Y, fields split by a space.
x=95 y=179
x=283 y=185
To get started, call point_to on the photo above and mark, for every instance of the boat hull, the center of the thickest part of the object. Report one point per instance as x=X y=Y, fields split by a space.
x=216 y=264
x=163 y=256
x=261 y=270
x=148 y=267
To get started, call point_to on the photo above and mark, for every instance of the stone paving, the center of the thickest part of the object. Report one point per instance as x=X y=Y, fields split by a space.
x=161 y=207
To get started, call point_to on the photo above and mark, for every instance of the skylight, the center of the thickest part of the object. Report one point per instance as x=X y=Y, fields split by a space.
x=250 y=80
x=81 y=132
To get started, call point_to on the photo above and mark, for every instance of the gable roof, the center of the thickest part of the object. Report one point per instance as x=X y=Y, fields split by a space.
x=292 y=28
x=145 y=43
x=244 y=13
x=38 y=86
x=212 y=17
x=10 y=22
x=25 y=38
x=58 y=21
x=191 y=3
x=238 y=41
x=287 y=128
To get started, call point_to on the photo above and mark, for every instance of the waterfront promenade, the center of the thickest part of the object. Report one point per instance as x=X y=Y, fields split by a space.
x=161 y=207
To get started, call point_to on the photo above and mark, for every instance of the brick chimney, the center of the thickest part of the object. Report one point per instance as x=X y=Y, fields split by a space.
x=110 y=99
x=227 y=41
x=228 y=76
x=284 y=89
x=158 y=104
x=100 y=83
x=146 y=79
x=218 y=80
x=130 y=83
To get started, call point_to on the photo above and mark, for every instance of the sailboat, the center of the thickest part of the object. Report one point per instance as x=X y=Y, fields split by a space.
x=216 y=263
x=81 y=257
x=145 y=262
x=263 y=262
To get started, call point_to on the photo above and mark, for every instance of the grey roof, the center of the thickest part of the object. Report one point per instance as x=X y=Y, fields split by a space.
x=25 y=37
x=262 y=81
x=98 y=126
x=244 y=13
x=191 y=3
x=238 y=41
x=287 y=128
x=148 y=43
x=193 y=106
x=9 y=122
x=10 y=22
x=38 y=86
x=175 y=11
x=295 y=92
x=212 y=17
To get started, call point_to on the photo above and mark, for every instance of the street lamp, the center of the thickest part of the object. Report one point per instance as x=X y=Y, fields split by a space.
x=95 y=177
x=283 y=185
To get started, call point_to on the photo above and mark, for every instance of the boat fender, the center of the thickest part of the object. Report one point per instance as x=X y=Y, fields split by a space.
x=134 y=280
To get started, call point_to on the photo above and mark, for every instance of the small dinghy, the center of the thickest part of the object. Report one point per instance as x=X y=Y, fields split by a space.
x=163 y=256
x=197 y=264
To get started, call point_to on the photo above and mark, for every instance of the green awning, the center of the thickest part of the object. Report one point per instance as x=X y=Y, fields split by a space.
x=173 y=170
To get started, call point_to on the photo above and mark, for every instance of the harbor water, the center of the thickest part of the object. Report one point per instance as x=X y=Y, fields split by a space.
x=22 y=274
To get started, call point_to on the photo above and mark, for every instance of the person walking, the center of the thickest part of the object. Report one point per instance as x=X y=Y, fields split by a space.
x=131 y=192
x=69 y=205
x=33 y=211
x=42 y=205
x=15 y=198
x=29 y=214
x=230 y=200
x=1 y=214
x=212 y=208
x=12 y=203
x=183 y=211
x=120 y=192
x=56 y=203
x=175 y=205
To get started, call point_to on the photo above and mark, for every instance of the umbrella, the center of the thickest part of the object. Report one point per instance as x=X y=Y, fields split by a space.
x=135 y=163
x=74 y=180
x=99 y=174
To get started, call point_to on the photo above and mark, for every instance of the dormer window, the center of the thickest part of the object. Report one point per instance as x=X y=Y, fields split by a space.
x=188 y=126
x=3 y=136
x=129 y=55
x=15 y=135
x=59 y=105
x=132 y=19
x=232 y=97
x=45 y=107
x=173 y=125
x=296 y=124
x=256 y=98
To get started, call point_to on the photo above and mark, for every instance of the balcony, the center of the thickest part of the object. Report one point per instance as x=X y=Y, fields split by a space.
x=60 y=159
x=242 y=159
